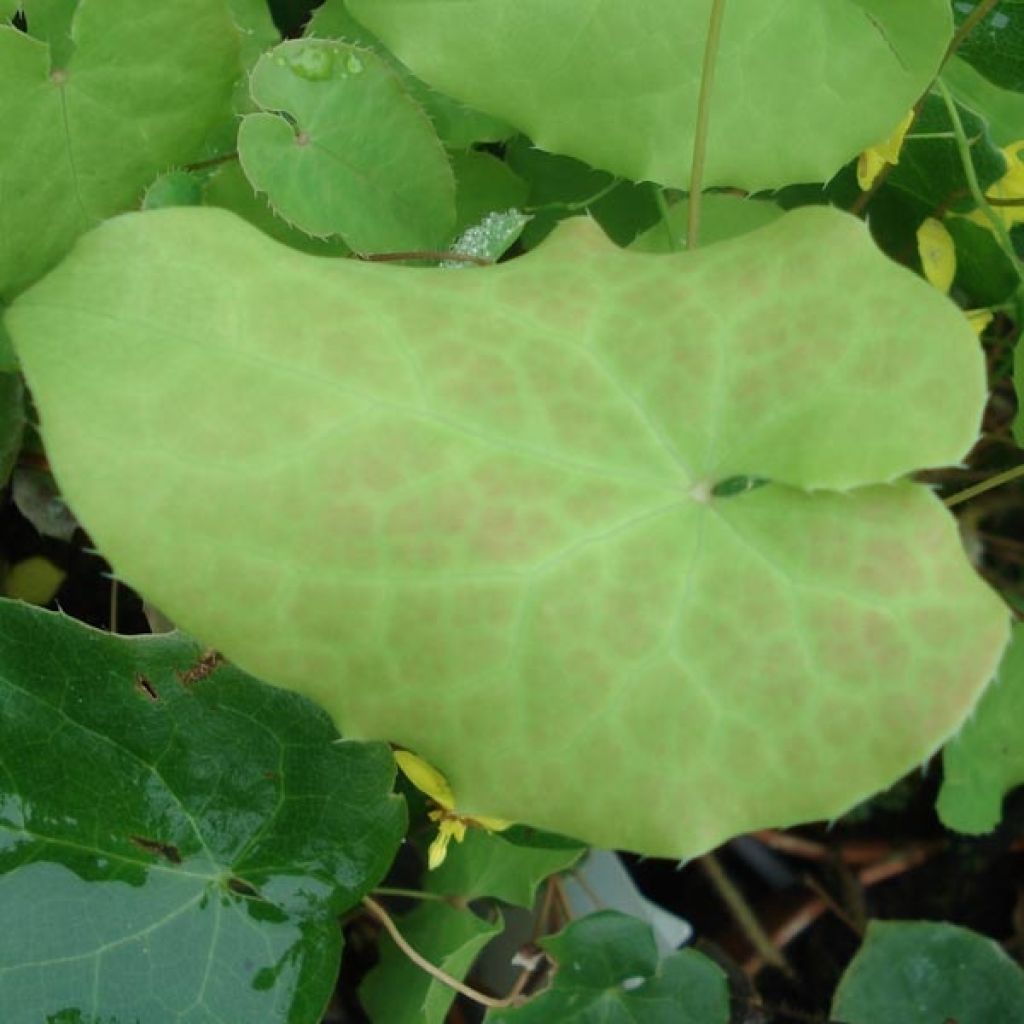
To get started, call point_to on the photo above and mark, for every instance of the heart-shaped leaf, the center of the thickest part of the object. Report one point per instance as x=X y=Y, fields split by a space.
x=609 y=970
x=929 y=972
x=475 y=512
x=355 y=157
x=986 y=760
x=801 y=85
x=82 y=139
x=176 y=839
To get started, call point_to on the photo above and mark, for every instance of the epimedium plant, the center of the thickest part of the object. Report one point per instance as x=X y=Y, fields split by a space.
x=597 y=510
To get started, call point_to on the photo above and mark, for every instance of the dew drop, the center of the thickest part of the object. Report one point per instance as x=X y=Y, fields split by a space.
x=354 y=64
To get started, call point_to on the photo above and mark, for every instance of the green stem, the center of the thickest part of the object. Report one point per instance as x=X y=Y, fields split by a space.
x=411 y=894
x=986 y=485
x=964 y=148
x=700 y=139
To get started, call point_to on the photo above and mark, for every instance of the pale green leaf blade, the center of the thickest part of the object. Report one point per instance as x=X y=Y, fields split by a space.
x=176 y=838
x=400 y=992
x=441 y=471
x=489 y=864
x=801 y=86
x=925 y=972
x=83 y=139
x=358 y=158
x=986 y=759
x=608 y=970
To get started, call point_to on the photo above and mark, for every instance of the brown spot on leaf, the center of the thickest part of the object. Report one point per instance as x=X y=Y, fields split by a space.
x=166 y=850
x=208 y=662
x=145 y=688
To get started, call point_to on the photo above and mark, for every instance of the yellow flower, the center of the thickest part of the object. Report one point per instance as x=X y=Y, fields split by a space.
x=873 y=159
x=938 y=253
x=450 y=824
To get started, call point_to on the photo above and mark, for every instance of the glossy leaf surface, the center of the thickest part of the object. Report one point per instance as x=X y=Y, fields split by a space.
x=83 y=139
x=476 y=502
x=926 y=972
x=398 y=991
x=616 y=85
x=608 y=970
x=176 y=839
x=355 y=157
x=986 y=760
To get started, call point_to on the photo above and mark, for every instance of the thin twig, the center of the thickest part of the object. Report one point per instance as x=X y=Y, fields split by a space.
x=382 y=917
x=700 y=138
x=410 y=894
x=986 y=485
x=395 y=257
x=744 y=916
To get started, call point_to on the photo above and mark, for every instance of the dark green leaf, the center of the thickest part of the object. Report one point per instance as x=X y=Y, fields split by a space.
x=176 y=838
x=983 y=273
x=12 y=422
x=930 y=168
x=484 y=184
x=925 y=972
x=996 y=44
x=397 y=991
x=175 y=188
x=486 y=864
x=608 y=971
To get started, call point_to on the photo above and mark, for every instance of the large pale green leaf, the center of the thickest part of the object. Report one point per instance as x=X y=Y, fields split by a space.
x=986 y=760
x=176 y=838
x=801 y=85
x=608 y=972
x=925 y=972
x=355 y=157
x=477 y=506
x=397 y=991
x=82 y=139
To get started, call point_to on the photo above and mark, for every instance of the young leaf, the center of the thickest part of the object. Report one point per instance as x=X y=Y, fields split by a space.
x=229 y=189
x=616 y=85
x=608 y=970
x=924 y=972
x=457 y=125
x=178 y=839
x=84 y=138
x=354 y=157
x=484 y=184
x=986 y=760
x=175 y=188
x=488 y=864
x=492 y=493
x=400 y=992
